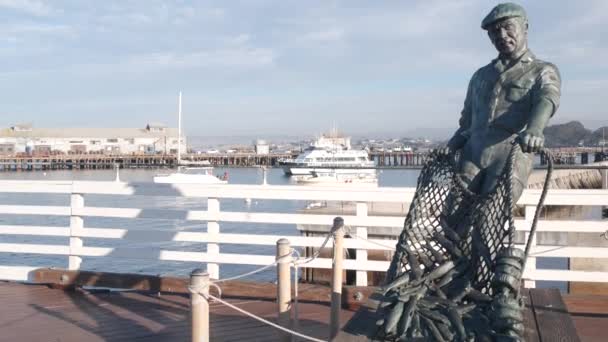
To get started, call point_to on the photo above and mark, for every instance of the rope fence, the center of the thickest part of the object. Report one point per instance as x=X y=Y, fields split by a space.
x=265 y=321
x=286 y=259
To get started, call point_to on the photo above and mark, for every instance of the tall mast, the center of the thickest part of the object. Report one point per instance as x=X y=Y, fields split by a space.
x=179 y=130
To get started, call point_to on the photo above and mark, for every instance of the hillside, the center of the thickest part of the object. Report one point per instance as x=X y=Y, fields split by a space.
x=572 y=133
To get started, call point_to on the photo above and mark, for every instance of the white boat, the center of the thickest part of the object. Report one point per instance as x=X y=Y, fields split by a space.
x=338 y=177
x=194 y=175
x=329 y=152
x=196 y=163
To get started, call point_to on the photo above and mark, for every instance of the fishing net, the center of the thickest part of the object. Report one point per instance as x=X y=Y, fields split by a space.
x=455 y=275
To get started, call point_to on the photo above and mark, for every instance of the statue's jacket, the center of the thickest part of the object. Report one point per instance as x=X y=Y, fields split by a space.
x=503 y=98
x=499 y=101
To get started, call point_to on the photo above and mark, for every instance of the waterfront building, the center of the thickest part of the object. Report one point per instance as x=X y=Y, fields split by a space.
x=154 y=138
x=262 y=147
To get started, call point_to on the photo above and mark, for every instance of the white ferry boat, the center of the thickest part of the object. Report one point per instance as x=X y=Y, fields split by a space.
x=329 y=152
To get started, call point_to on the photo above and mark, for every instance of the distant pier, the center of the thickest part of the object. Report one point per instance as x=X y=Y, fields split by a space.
x=382 y=159
x=576 y=155
x=96 y=161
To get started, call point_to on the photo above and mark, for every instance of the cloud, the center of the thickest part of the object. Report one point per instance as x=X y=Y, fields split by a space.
x=239 y=39
x=32 y=7
x=416 y=20
x=228 y=57
x=35 y=28
x=406 y=63
x=329 y=35
x=225 y=60
x=585 y=87
x=154 y=13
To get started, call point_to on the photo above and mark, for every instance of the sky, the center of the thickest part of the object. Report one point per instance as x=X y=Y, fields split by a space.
x=283 y=67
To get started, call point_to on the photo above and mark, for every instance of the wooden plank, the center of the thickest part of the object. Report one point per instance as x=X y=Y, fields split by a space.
x=34 y=248
x=591 y=286
x=529 y=197
x=34 y=230
x=563 y=226
x=112 y=280
x=32 y=186
x=531 y=328
x=575 y=276
x=227 y=216
x=34 y=210
x=589 y=314
x=286 y=192
x=353 y=296
x=552 y=317
x=135 y=235
x=566 y=251
x=17 y=273
x=565 y=197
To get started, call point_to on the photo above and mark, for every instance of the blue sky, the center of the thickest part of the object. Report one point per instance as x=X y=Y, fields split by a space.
x=278 y=67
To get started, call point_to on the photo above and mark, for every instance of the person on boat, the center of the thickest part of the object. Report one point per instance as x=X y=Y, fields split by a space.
x=511 y=98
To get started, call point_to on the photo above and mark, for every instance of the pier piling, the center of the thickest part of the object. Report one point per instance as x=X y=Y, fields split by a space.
x=336 y=280
x=199 y=289
x=283 y=258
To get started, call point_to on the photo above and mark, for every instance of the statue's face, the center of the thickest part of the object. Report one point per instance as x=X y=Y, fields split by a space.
x=509 y=35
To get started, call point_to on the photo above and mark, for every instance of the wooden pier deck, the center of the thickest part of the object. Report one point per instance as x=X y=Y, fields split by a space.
x=38 y=313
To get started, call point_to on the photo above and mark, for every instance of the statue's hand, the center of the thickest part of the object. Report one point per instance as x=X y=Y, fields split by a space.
x=456 y=143
x=532 y=140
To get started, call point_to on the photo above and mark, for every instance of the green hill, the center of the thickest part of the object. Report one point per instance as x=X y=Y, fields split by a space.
x=572 y=133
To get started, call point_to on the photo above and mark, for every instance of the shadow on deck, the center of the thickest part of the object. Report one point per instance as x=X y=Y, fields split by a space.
x=38 y=313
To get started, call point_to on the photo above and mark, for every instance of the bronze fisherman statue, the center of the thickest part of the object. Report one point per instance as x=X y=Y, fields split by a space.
x=513 y=96
x=456 y=273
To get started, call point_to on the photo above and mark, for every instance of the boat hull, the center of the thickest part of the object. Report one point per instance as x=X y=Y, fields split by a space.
x=303 y=170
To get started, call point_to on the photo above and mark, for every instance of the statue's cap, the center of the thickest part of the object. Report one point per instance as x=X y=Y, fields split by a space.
x=503 y=11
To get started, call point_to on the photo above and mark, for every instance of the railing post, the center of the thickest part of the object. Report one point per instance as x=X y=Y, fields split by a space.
x=336 y=280
x=531 y=261
x=199 y=289
x=283 y=258
x=213 y=230
x=76 y=226
x=604 y=174
x=361 y=278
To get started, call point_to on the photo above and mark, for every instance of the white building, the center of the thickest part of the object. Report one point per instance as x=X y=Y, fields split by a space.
x=262 y=147
x=154 y=138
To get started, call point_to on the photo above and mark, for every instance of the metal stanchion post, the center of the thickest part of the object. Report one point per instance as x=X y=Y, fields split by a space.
x=199 y=288
x=284 y=285
x=336 y=281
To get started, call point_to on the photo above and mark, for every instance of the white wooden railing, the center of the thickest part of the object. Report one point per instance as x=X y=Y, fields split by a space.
x=78 y=231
